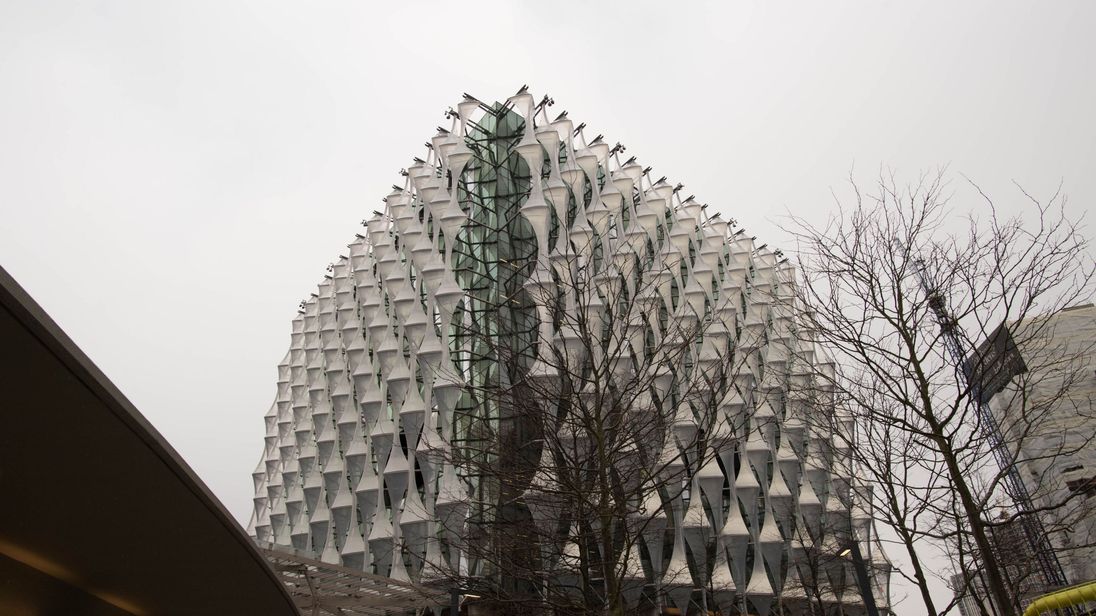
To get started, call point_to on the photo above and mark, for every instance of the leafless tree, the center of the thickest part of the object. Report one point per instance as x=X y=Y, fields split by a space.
x=902 y=295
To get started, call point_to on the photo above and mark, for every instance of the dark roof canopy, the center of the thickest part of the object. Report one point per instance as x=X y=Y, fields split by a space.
x=100 y=515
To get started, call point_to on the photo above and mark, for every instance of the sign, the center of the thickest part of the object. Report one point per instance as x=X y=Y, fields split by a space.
x=993 y=364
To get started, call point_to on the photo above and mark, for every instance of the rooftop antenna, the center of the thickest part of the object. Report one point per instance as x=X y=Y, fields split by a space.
x=545 y=101
x=542 y=107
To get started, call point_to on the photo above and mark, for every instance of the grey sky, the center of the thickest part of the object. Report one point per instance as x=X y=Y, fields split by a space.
x=174 y=177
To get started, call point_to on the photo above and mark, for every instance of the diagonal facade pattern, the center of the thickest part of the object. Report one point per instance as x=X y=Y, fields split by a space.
x=461 y=288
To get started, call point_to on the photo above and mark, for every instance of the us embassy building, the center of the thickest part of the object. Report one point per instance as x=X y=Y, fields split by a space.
x=552 y=383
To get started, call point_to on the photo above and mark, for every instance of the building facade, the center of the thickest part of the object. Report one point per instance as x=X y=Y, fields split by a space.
x=532 y=311
x=1043 y=395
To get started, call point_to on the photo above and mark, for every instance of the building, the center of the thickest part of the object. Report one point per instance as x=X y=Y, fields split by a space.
x=523 y=279
x=104 y=517
x=970 y=591
x=1020 y=568
x=1039 y=378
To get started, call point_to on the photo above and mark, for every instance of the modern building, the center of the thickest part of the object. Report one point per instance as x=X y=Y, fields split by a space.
x=1039 y=378
x=520 y=255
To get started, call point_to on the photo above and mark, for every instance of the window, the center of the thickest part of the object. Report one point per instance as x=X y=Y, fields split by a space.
x=1086 y=486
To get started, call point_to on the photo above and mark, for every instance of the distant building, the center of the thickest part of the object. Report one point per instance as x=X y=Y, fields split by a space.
x=1021 y=571
x=1039 y=378
x=971 y=592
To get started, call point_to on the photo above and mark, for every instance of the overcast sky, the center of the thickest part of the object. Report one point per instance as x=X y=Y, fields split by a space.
x=174 y=177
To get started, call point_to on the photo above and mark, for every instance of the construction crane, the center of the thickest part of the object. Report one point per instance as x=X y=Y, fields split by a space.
x=1032 y=526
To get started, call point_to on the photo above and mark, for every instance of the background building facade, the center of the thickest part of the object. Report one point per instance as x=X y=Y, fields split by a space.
x=520 y=256
x=1048 y=414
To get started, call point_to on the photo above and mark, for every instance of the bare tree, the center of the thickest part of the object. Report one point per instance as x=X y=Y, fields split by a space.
x=902 y=301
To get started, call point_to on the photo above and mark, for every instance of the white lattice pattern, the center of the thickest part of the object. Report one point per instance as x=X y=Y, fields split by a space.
x=362 y=396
